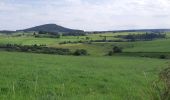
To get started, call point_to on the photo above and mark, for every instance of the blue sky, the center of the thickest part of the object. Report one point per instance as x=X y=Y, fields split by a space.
x=85 y=14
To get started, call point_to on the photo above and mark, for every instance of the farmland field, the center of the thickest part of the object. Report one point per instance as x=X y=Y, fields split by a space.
x=97 y=76
x=102 y=48
x=46 y=77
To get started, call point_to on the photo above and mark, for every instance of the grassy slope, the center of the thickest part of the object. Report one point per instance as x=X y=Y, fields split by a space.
x=147 y=46
x=140 y=46
x=158 y=45
x=27 y=76
x=29 y=40
x=94 y=48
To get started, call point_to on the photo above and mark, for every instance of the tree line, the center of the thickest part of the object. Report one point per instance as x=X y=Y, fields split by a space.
x=143 y=37
x=41 y=49
x=42 y=34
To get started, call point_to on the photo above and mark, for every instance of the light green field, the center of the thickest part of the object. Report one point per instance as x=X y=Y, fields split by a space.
x=25 y=76
x=30 y=40
x=160 y=45
x=94 y=49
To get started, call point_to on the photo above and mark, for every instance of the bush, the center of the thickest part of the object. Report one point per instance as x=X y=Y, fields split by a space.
x=117 y=49
x=162 y=57
x=35 y=49
x=110 y=53
x=72 y=42
x=80 y=52
x=160 y=89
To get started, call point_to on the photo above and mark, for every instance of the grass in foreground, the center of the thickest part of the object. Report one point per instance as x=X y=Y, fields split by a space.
x=26 y=76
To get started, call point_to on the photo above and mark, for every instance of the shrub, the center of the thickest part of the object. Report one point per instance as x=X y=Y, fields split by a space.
x=117 y=49
x=162 y=57
x=110 y=53
x=165 y=77
x=35 y=49
x=80 y=52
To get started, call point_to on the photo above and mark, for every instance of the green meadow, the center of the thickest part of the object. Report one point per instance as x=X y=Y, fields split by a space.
x=95 y=48
x=31 y=76
x=26 y=76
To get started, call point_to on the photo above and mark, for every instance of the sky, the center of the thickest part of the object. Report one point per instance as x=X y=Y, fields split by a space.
x=88 y=15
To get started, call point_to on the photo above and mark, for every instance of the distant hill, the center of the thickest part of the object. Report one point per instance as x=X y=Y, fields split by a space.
x=50 y=28
x=57 y=28
x=147 y=30
x=7 y=32
x=135 y=30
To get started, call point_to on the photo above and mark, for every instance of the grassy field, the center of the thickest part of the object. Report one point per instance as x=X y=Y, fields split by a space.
x=27 y=76
x=96 y=49
x=29 y=40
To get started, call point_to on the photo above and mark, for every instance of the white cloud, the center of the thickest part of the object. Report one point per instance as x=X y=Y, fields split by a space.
x=86 y=14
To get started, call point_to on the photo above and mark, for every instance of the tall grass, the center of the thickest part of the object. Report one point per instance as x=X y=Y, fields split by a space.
x=159 y=89
x=165 y=78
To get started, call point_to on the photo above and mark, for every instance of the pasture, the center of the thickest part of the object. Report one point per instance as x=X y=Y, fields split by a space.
x=48 y=77
x=31 y=76
x=95 y=48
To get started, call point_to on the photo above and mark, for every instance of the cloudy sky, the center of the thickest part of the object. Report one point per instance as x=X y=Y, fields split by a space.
x=85 y=14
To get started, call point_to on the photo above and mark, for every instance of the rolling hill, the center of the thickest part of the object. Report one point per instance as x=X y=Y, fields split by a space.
x=50 y=28
x=57 y=28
